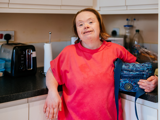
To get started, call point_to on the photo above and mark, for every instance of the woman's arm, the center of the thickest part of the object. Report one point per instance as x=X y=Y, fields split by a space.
x=53 y=100
x=150 y=84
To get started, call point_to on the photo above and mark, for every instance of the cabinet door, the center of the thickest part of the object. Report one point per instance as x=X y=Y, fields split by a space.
x=112 y=3
x=144 y=112
x=78 y=2
x=19 y=112
x=41 y=2
x=141 y=2
x=5 y=1
x=36 y=111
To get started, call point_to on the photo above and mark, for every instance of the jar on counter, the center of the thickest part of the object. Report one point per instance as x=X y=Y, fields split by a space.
x=137 y=42
x=128 y=36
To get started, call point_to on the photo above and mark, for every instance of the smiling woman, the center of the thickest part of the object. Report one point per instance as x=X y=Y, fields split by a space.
x=93 y=18
x=86 y=72
x=88 y=30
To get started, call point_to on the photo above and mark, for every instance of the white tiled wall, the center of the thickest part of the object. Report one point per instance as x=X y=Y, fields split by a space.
x=152 y=47
x=57 y=47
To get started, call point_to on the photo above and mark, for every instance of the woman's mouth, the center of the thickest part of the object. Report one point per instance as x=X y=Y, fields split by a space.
x=86 y=32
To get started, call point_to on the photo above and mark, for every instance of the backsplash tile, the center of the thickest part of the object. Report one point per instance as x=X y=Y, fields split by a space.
x=57 y=47
x=152 y=47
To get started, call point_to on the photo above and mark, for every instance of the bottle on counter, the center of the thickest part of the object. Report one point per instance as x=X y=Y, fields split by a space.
x=128 y=28
x=137 y=42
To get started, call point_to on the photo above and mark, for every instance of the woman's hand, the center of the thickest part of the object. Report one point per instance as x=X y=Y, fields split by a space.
x=150 y=84
x=52 y=104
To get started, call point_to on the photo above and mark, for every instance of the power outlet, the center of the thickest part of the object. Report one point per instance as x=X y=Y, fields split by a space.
x=116 y=30
x=3 y=33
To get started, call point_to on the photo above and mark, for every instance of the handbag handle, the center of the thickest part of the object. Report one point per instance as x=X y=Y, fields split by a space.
x=117 y=71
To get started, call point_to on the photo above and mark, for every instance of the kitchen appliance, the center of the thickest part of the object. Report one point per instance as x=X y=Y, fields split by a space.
x=20 y=59
x=117 y=39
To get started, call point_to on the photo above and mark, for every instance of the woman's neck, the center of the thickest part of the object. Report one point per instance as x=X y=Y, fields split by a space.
x=92 y=44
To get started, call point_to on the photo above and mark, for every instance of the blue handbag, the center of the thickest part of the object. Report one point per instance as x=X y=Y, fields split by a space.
x=127 y=75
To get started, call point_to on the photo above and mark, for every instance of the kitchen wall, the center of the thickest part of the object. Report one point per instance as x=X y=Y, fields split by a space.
x=147 y=24
x=34 y=29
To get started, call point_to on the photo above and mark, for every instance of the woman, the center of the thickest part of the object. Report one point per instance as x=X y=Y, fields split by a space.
x=86 y=72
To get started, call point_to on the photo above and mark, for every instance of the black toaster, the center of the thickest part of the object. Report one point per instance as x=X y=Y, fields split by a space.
x=20 y=59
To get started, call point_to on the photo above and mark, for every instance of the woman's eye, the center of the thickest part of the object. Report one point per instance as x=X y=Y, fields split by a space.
x=80 y=24
x=90 y=22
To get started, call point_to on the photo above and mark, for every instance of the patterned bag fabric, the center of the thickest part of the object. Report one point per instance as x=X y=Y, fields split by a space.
x=131 y=73
x=127 y=75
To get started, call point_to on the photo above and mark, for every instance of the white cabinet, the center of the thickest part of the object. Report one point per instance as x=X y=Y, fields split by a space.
x=49 y=6
x=4 y=3
x=36 y=4
x=144 y=112
x=127 y=2
x=128 y=6
x=112 y=5
x=78 y=2
x=112 y=2
x=141 y=2
x=47 y=2
x=36 y=108
x=18 y=112
x=25 y=109
x=36 y=111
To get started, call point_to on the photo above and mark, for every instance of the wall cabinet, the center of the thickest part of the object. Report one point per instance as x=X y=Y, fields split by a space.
x=47 y=2
x=112 y=2
x=4 y=3
x=137 y=6
x=127 y=2
x=36 y=4
x=18 y=112
x=51 y=4
x=144 y=112
x=141 y=2
x=72 y=6
x=110 y=5
x=78 y=2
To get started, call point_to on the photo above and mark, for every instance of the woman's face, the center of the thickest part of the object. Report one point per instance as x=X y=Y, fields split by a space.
x=87 y=26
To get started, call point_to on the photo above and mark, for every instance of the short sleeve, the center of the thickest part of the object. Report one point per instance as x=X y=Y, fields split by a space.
x=125 y=55
x=59 y=65
x=55 y=67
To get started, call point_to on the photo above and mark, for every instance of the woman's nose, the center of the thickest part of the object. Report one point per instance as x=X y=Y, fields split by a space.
x=86 y=26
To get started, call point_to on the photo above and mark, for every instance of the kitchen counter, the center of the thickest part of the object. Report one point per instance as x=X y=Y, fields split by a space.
x=30 y=86
x=23 y=87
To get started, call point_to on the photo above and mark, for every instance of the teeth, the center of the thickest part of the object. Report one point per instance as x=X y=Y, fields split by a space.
x=86 y=32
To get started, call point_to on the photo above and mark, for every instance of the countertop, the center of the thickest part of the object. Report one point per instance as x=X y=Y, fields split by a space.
x=23 y=87
x=30 y=86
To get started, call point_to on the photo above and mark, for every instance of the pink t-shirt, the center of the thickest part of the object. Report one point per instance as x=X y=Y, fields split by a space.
x=87 y=78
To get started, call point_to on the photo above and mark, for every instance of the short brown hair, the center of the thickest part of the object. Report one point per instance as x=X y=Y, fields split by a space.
x=103 y=33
